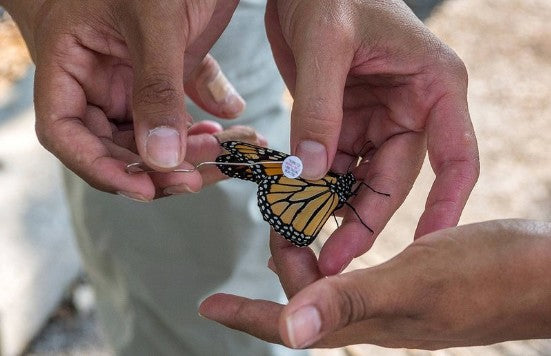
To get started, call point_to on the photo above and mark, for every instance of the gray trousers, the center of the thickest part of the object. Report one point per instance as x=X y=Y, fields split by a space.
x=151 y=264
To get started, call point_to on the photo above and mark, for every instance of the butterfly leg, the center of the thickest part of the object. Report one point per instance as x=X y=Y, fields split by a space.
x=336 y=221
x=359 y=217
x=373 y=190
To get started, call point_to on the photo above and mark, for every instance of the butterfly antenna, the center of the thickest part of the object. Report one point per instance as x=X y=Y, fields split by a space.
x=359 y=217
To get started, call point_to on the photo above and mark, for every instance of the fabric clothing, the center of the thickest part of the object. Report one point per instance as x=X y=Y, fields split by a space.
x=151 y=264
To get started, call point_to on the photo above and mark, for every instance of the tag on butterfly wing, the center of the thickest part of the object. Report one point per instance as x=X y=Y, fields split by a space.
x=292 y=167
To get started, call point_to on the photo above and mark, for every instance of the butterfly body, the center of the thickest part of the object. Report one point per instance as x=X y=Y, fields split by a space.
x=296 y=208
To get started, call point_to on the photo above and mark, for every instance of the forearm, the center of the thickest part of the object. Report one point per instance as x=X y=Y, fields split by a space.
x=503 y=278
x=533 y=276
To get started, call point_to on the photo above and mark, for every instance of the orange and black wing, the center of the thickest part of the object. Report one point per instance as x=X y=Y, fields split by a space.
x=251 y=154
x=296 y=208
x=234 y=170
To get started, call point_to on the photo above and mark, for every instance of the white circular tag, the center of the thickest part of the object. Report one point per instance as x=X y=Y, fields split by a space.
x=292 y=167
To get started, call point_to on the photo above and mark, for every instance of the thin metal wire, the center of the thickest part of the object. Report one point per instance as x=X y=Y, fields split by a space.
x=139 y=167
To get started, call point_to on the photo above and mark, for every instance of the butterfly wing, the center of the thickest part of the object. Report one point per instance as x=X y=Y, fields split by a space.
x=244 y=172
x=246 y=152
x=252 y=153
x=296 y=208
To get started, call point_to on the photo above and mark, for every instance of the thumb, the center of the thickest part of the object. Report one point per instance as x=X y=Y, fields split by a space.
x=329 y=305
x=158 y=108
x=321 y=70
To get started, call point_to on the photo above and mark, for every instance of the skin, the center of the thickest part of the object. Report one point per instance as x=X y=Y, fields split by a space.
x=469 y=285
x=110 y=73
x=367 y=79
x=370 y=80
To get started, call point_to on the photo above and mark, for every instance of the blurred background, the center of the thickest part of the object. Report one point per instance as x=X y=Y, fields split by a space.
x=46 y=306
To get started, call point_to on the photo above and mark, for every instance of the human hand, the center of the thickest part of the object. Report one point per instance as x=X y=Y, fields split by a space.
x=469 y=285
x=369 y=79
x=105 y=67
x=203 y=145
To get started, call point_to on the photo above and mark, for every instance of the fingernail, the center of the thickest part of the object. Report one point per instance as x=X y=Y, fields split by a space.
x=178 y=190
x=314 y=157
x=225 y=94
x=163 y=146
x=303 y=326
x=133 y=196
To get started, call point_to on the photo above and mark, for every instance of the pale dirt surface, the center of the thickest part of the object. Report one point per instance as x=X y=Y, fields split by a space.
x=507 y=49
x=14 y=59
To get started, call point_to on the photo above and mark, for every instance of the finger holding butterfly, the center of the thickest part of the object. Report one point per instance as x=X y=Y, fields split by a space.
x=446 y=290
x=372 y=68
x=118 y=146
x=391 y=169
x=119 y=64
x=203 y=146
x=262 y=318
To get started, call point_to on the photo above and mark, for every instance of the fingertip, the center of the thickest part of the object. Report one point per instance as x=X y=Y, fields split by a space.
x=271 y=265
x=261 y=139
x=109 y=175
x=346 y=243
x=163 y=147
x=314 y=159
x=138 y=197
x=205 y=127
x=209 y=306
x=211 y=89
x=302 y=327
x=330 y=265
x=176 y=183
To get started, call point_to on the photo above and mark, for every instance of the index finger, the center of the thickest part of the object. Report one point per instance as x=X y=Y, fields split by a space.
x=323 y=61
x=297 y=267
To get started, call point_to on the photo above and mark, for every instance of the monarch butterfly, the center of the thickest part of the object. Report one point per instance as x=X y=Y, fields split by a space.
x=296 y=208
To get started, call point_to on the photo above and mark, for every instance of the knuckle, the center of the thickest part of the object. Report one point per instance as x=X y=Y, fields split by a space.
x=317 y=119
x=42 y=134
x=349 y=306
x=458 y=67
x=448 y=59
x=157 y=89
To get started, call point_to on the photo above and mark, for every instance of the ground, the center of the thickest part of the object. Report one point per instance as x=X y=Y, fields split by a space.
x=507 y=51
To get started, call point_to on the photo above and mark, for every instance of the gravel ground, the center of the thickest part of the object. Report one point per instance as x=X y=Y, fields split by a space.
x=74 y=328
x=506 y=47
